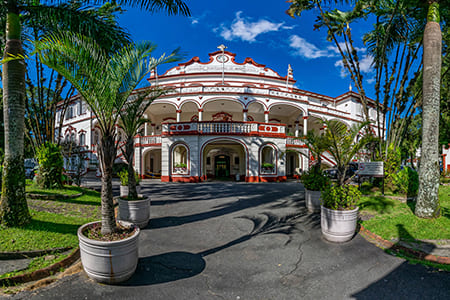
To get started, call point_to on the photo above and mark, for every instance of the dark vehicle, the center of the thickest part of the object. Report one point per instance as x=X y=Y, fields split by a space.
x=351 y=170
x=30 y=167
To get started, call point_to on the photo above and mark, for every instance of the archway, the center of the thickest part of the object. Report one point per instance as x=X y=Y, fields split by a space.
x=224 y=159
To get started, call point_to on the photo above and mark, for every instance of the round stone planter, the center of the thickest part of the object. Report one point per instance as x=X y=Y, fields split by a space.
x=135 y=211
x=313 y=200
x=338 y=225
x=124 y=190
x=109 y=262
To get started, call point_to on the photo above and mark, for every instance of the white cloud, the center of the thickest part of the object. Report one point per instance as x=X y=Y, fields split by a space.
x=242 y=28
x=344 y=48
x=194 y=21
x=306 y=49
x=365 y=65
x=371 y=80
x=343 y=72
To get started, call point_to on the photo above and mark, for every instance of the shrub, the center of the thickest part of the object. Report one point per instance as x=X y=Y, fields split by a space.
x=267 y=165
x=123 y=176
x=406 y=181
x=315 y=180
x=341 y=197
x=180 y=165
x=51 y=164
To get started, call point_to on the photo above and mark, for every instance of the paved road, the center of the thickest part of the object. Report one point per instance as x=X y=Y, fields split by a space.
x=229 y=240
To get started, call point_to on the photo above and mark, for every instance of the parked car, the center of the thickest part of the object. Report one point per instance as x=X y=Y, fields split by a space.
x=332 y=173
x=30 y=167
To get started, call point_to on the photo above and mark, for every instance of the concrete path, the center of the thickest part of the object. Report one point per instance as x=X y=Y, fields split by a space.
x=227 y=240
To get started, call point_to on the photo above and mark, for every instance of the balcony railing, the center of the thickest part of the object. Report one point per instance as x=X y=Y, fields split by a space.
x=224 y=128
x=148 y=140
x=293 y=141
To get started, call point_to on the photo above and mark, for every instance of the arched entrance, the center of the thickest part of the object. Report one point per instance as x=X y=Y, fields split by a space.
x=223 y=159
x=222 y=167
x=152 y=163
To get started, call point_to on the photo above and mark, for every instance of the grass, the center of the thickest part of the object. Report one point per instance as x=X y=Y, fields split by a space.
x=54 y=223
x=394 y=220
x=36 y=264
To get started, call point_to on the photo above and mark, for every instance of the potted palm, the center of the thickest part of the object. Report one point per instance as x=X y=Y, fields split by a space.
x=314 y=182
x=133 y=209
x=339 y=211
x=104 y=80
x=124 y=183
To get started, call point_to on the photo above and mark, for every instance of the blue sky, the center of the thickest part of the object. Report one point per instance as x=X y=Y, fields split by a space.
x=257 y=29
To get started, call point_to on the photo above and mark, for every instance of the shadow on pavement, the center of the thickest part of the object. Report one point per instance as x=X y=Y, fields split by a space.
x=166 y=267
x=407 y=280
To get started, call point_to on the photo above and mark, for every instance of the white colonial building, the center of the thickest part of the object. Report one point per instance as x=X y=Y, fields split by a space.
x=224 y=119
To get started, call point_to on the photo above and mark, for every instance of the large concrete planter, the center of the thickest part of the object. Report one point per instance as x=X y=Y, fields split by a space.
x=313 y=200
x=338 y=225
x=124 y=190
x=109 y=262
x=135 y=211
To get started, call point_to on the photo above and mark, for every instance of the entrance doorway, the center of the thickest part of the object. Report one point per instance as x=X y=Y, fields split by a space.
x=222 y=166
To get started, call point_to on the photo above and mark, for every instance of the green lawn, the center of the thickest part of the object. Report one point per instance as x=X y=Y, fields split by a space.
x=54 y=222
x=393 y=220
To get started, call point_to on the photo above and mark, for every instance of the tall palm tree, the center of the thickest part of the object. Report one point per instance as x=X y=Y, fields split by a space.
x=13 y=206
x=131 y=120
x=105 y=81
x=428 y=197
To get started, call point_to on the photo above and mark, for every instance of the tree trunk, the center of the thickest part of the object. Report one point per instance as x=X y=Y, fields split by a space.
x=13 y=204
x=107 y=154
x=428 y=199
x=132 y=193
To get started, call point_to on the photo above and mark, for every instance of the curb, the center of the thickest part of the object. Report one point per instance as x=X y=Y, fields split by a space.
x=384 y=244
x=29 y=254
x=52 y=197
x=42 y=273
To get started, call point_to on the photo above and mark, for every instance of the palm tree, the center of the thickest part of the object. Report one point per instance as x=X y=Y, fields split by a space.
x=317 y=144
x=131 y=119
x=344 y=143
x=105 y=82
x=13 y=206
x=428 y=197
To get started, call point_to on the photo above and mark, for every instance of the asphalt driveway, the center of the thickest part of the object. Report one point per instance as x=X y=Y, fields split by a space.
x=226 y=240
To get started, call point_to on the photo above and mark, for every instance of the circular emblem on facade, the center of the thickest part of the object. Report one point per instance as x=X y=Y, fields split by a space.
x=180 y=127
x=222 y=58
x=267 y=128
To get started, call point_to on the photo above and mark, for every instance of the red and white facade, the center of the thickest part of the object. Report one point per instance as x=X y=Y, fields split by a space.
x=226 y=119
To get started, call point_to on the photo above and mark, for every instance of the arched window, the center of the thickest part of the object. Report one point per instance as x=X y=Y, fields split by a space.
x=268 y=159
x=179 y=159
x=82 y=139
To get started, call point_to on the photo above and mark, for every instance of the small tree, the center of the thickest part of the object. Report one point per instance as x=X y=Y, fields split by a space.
x=131 y=120
x=344 y=143
x=104 y=81
x=51 y=164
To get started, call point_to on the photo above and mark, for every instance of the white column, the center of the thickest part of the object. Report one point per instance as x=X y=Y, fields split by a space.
x=178 y=115
x=266 y=116
x=244 y=115
x=200 y=115
x=305 y=125
x=296 y=128
x=145 y=129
